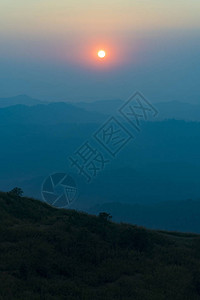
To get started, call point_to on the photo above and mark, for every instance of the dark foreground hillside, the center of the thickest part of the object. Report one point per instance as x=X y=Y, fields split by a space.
x=47 y=253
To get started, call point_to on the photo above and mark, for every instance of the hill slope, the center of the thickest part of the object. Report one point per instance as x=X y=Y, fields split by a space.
x=47 y=253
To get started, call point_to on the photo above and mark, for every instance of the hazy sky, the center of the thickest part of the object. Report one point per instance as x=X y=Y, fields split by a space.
x=48 y=49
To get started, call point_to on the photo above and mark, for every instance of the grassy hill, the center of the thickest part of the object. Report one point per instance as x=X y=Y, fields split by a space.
x=46 y=253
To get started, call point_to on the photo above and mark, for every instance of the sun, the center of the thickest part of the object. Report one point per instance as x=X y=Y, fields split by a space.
x=101 y=53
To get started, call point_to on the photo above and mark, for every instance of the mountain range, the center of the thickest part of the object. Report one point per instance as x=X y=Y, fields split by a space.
x=20 y=99
x=156 y=172
x=166 y=110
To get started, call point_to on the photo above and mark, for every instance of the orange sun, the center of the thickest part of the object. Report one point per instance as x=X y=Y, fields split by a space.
x=101 y=53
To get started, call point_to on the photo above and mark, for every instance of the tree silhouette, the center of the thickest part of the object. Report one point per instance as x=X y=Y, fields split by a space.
x=16 y=192
x=105 y=216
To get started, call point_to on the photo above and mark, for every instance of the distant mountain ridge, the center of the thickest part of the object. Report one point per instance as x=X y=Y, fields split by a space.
x=178 y=110
x=167 y=110
x=20 y=99
x=103 y=106
x=52 y=113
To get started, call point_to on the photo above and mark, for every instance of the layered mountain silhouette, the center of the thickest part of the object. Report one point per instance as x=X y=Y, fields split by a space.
x=167 y=110
x=52 y=113
x=164 y=158
x=20 y=99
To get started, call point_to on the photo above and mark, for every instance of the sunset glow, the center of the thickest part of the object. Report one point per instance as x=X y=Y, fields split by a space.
x=61 y=43
x=101 y=53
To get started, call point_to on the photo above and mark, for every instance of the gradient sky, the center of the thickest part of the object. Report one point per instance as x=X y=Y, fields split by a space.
x=48 y=49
